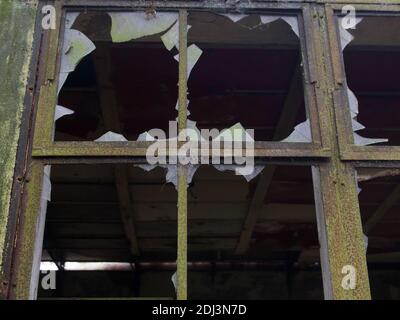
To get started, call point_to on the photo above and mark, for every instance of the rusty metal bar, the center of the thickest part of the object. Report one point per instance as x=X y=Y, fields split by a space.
x=137 y=149
x=310 y=45
x=44 y=126
x=182 y=170
x=314 y=52
x=262 y=4
x=340 y=101
x=338 y=214
x=338 y=73
x=371 y=153
x=340 y=231
x=26 y=234
x=377 y=6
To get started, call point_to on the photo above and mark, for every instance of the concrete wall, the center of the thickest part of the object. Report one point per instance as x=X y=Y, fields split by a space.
x=17 y=19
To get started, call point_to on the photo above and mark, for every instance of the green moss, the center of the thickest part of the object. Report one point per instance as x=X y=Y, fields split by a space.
x=16 y=35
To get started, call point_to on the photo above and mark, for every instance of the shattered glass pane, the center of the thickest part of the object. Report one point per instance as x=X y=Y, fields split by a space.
x=371 y=54
x=247 y=70
x=118 y=76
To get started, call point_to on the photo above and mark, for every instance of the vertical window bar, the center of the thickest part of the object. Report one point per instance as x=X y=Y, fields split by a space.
x=48 y=88
x=182 y=170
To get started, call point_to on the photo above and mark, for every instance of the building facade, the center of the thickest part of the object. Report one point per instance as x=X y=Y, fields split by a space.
x=84 y=82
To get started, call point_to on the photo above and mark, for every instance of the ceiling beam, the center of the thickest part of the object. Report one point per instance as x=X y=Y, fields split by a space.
x=293 y=102
x=109 y=109
x=383 y=208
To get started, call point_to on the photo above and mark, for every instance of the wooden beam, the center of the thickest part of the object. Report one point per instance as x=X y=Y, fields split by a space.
x=105 y=88
x=365 y=174
x=293 y=102
x=384 y=207
x=126 y=206
x=109 y=108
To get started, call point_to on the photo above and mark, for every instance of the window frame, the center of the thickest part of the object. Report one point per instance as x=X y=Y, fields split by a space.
x=44 y=146
x=333 y=177
x=348 y=150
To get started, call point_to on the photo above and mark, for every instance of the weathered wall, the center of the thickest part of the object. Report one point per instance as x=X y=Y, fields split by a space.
x=17 y=19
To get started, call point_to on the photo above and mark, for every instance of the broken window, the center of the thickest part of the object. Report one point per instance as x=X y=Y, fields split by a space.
x=99 y=220
x=119 y=75
x=122 y=81
x=249 y=70
x=379 y=197
x=371 y=54
x=276 y=257
x=110 y=231
x=111 y=209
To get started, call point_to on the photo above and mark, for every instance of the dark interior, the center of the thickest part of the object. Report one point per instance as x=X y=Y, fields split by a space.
x=84 y=224
x=372 y=64
x=381 y=194
x=244 y=75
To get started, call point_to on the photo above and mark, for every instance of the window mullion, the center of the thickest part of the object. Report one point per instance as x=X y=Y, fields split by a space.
x=182 y=170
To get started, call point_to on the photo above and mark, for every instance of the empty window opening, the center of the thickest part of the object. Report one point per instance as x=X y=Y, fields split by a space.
x=279 y=259
x=372 y=64
x=126 y=87
x=379 y=197
x=111 y=232
x=119 y=74
x=248 y=72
